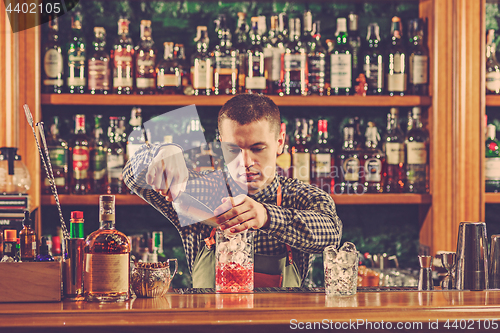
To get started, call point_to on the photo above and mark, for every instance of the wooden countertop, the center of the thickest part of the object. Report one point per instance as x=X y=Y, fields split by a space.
x=260 y=311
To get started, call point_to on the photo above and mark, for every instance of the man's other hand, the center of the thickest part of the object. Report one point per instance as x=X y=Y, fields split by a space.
x=241 y=213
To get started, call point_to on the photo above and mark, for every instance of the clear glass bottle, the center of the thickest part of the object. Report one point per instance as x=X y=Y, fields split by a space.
x=273 y=50
x=373 y=161
x=225 y=61
x=294 y=63
x=145 y=61
x=349 y=163
x=53 y=64
x=98 y=157
x=394 y=149
x=80 y=158
x=27 y=239
x=123 y=60
x=99 y=73
x=255 y=81
x=316 y=62
x=115 y=158
x=322 y=159
x=58 y=153
x=418 y=59
x=396 y=61
x=76 y=79
x=341 y=62
x=417 y=142
x=373 y=61
x=241 y=44
x=492 y=161
x=107 y=258
x=202 y=64
x=168 y=72
x=492 y=66
x=354 y=41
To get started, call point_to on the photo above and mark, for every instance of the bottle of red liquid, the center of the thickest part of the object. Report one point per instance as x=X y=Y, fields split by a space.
x=80 y=183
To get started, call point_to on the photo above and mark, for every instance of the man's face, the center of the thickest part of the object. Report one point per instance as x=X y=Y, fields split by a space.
x=250 y=152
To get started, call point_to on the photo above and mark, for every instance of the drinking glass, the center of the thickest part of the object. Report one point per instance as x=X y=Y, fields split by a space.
x=341 y=270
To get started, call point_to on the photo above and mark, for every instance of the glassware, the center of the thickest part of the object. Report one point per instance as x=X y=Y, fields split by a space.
x=234 y=270
x=153 y=281
x=448 y=260
x=341 y=270
x=14 y=175
x=425 y=274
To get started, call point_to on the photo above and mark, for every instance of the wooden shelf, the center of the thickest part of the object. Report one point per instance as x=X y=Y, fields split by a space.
x=492 y=100
x=343 y=199
x=182 y=100
x=492 y=198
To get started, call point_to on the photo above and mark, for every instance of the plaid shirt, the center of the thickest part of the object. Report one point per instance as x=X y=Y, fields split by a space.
x=306 y=220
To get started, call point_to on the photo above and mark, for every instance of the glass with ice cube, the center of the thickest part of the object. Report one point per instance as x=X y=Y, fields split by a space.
x=234 y=262
x=341 y=269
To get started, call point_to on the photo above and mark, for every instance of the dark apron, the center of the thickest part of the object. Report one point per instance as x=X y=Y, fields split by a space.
x=269 y=270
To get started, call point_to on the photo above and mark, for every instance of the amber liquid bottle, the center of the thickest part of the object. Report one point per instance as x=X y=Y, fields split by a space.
x=99 y=78
x=225 y=62
x=27 y=238
x=107 y=258
x=80 y=158
x=201 y=65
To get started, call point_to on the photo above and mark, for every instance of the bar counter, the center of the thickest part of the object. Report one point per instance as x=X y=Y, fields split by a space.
x=428 y=311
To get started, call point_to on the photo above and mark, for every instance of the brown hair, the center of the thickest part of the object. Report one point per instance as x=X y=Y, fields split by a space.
x=247 y=108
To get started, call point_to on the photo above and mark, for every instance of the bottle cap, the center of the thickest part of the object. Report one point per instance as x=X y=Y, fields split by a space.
x=76 y=215
x=10 y=235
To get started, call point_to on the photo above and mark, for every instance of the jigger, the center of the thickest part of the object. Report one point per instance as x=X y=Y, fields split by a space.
x=425 y=275
x=495 y=262
x=472 y=256
x=448 y=259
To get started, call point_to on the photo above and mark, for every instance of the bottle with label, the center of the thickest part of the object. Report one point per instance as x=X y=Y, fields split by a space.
x=58 y=153
x=316 y=62
x=9 y=243
x=492 y=162
x=115 y=158
x=323 y=159
x=418 y=59
x=76 y=225
x=183 y=67
x=107 y=258
x=301 y=157
x=394 y=149
x=341 y=62
x=136 y=138
x=354 y=41
x=76 y=79
x=202 y=64
x=99 y=72
x=373 y=161
x=492 y=66
x=417 y=141
x=225 y=61
x=123 y=63
x=255 y=81
x=98 y=157
x=373 y=61
x=80 y=158
x=241 y=45
x=53 y=65
x=284 y=160
x=168 y=72
x=294 y=71
x=349 y=163
x=27 y=239
x=145 y=61
x=396 y=61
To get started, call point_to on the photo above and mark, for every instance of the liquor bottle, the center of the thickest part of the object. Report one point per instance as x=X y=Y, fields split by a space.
x=145 y=61
x=418 y=59
x=241 y=38
x=136 y=138
x=396 y=61
x=183 y=66
x=293 y=76
x=341 y=62
x=373 y=61
x=492 y=66
x=255 y=81
x=492 y=163
x=316 y=62
x=76 y=225
x=27 y=238
x=417 y=140
x=123 y=60
x=273 y=51
x=58 y=153
x=168 y=72
x=115 y=158
x=107 y=258
x=79 y=152
x=98 y=157
x=349 y=163
x=354 y=41
x=201 y=64
x=225 y=61
x=301 y=158
x=99 y=72
x=394 y=149
x=373 y=161
x=284 y=159
x=43 y=251
x=53 y=65
x=322 y=159
x=76 y=79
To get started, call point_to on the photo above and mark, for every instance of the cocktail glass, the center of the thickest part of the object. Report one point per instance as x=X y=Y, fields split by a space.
x=341 y=270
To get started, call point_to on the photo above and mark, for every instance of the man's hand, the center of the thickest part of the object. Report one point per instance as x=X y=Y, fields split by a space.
x=167 y=174
x=241 y=213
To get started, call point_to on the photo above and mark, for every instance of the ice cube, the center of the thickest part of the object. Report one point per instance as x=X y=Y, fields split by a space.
x=239 y=258
x=224 y=258
x=348 y=247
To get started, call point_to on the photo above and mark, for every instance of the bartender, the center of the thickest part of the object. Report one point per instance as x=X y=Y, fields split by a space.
x=292 y=219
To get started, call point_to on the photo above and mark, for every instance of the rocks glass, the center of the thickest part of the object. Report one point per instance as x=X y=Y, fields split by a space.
x=234 y=262
x=341 y=270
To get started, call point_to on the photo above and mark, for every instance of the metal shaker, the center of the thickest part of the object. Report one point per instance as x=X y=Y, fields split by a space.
x=425 y=275
x=73 y=269
x=494 y=273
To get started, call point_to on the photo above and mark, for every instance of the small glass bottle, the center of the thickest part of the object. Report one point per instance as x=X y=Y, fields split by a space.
x=76 y=79
x=492 y=66
x=9 y=243
x=145 y=61
x=58 y=153
x=27 y=237
x=99 y=73
x=123 y=55
x=43 y=252
x=80 y=158
x=107 y=258
x=168 y=72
